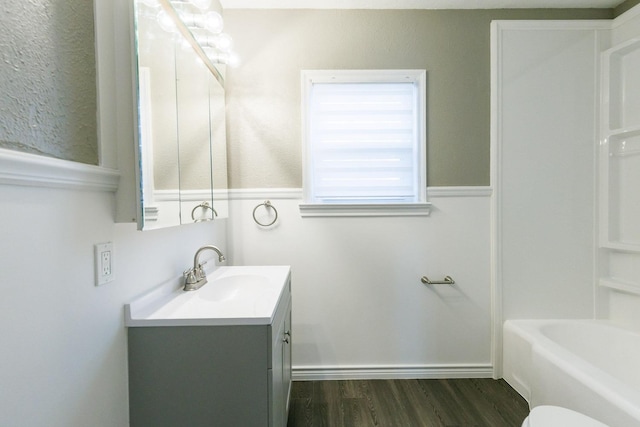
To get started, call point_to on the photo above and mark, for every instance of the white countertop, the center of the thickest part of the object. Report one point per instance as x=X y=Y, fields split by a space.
x=237 y=295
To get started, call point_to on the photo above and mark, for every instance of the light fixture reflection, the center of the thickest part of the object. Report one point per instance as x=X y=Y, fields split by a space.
x=228 y=58
x=213 y=22
x=205 y=26
x=201 y=4
x=165 y=22
x=151 y=3
x=223 y=42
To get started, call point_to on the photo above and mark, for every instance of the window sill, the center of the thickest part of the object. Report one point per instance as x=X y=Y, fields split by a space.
x=361 y=210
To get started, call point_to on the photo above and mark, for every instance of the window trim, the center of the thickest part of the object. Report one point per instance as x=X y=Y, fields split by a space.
x=314 y=209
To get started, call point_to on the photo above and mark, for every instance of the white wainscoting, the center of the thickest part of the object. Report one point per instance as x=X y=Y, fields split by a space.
x=63 y=338
x=359 y=308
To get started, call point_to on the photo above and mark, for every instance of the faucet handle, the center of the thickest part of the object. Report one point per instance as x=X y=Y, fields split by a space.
x=199 y=272
x=189 y=276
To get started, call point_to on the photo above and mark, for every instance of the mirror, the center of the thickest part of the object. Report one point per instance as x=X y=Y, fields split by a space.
x=181 y=118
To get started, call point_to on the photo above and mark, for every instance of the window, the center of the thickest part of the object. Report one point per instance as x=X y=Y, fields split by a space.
x=364 y=142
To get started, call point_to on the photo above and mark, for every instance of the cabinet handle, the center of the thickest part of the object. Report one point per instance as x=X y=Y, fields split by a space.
x=288 y=333
x=286 y=340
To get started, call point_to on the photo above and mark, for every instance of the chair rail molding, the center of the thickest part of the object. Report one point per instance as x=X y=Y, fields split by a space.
x=17 y=168
x=296 y=193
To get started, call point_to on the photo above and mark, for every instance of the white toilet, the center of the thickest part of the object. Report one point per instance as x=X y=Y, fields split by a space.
x=555 y=416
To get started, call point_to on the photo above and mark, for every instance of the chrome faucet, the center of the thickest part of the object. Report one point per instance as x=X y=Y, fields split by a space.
x=195 y=278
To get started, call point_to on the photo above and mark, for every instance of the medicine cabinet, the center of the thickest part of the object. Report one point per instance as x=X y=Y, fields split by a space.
x=180 y=117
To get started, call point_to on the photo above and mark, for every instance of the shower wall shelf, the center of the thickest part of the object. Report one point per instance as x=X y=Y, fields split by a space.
x=620 y=81
x=624 y=132
x=620 y=285
x=620 y=148
x=621 y=246
x=619 y=169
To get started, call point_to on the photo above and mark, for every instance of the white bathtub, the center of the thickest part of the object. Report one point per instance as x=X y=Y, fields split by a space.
x=589 y=366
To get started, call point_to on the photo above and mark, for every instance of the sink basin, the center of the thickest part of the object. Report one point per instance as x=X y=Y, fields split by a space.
x=238 y=288
x=243 y=295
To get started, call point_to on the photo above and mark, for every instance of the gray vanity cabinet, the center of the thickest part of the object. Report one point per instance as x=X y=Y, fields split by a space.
x=222 y=375
x=281 y=371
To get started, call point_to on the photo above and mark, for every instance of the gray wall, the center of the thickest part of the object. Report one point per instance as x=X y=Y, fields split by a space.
x=263 y=94
x=48 y=102
x=48 y=79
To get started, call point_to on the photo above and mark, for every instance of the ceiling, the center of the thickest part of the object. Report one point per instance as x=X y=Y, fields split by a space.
x=416 y=4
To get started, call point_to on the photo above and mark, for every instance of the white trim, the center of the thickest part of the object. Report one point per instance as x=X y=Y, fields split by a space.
x=495 y=178
x=364 y=209
x=601 y=42
x=297 y=193
x=17 y=168
x=264 y=193
x=412 y=4
x=459 y=191
x=315 y=373
x=562 y=25
x=188 y=195
x=166 y=195
x=417 y=77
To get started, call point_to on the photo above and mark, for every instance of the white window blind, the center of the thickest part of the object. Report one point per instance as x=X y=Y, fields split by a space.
x=365 y=137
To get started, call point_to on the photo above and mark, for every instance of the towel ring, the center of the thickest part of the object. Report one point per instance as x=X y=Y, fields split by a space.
x=204 y=206
x=267 y=205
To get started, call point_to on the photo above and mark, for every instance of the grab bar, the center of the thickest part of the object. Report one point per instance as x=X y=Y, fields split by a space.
x=448 y=280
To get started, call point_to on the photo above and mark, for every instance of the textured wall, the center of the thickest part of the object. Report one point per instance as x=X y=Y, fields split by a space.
x=48 y=78
x=263 y=94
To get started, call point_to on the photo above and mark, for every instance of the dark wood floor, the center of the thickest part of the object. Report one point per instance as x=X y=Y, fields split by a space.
x=406 y=403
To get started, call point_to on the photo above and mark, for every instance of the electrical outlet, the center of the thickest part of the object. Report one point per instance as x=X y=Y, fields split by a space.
x=104 y=263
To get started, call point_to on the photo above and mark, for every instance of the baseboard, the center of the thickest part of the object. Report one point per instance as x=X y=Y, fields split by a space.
x=316 y=373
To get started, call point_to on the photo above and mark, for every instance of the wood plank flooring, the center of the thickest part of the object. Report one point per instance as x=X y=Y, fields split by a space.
x=406 y=403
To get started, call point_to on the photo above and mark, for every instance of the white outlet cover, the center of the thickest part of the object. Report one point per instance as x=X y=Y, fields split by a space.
x=103 y=252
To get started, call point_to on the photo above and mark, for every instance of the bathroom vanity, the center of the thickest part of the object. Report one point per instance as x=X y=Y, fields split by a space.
x=218 y=356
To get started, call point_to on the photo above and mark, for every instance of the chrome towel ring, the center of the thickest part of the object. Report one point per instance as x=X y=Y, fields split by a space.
x=205 y=206
x=267 y=205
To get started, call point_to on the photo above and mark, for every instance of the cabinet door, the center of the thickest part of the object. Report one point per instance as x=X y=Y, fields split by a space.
x=286 y=360
x=278 y=389
x=281 y=371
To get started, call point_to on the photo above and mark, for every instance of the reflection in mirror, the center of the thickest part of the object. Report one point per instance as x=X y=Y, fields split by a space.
x=217 y=108
x=181 y=113
x=194 y=130
x=158 y=126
